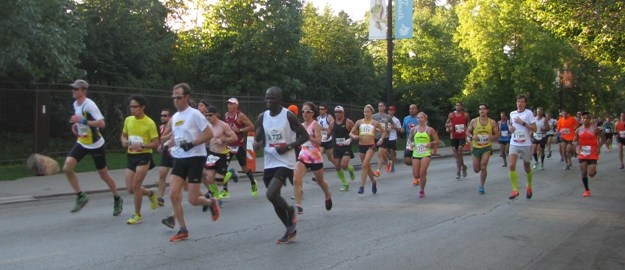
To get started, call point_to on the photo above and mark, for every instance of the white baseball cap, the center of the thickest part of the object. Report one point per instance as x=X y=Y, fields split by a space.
x=233 y=100
x=339 y=109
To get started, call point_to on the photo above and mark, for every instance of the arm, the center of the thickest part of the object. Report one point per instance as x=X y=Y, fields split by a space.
x=230 y=135
x=317 y=139
x=259 y=135
x=495 y=134
x=300 y=131
x=246 y=122
x=470 y=129
x=354 y=133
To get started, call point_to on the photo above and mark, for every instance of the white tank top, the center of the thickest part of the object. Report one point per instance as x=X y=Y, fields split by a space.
x=278 y=133
x=325 y=123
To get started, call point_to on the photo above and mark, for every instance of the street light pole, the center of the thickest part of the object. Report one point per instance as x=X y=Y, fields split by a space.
x=389 y=53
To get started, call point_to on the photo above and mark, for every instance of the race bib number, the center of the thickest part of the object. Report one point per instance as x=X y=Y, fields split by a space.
x=607 y=130
x=482 y=139
x=565 y=131
x=135 y=140
x=504 y=133
x=276 y=138
x=83 y=130
x=366 y=129
x=519 y=136
x=341 y=141
x=585 y=150
x=538 y=136
x=211 y=160
x=324 y=135
x=621 y=134
x=180 y=141
x=459 y=128
x=233 y=149
x=421 y=149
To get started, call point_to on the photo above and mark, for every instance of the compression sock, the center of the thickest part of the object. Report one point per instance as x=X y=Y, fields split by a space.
x=513 y=180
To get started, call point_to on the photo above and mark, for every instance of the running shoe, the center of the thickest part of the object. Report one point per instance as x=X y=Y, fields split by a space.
x=361 y=190
x=352 y=174
x=504 y=165
x=227 y=177
x=328 y=204
x=374 y=188
x=586 y=193
x=181 y=235
x=207 y=195
x=389 y=164
x=481 y=190
x=622 y=166
x=153 y=199
x=458 y=174
x=300 y=210
x=376 y=173
x=314 y=179
x=81 y=200
x=535 y=166
x=235 y=176
x=515 y=194
x=464 y=170
x=345 y=188
x=288 y=237
x=421 y=194
x=161 y=201
x=135 y=219
x=567 y=167
x=224 y=194
x=528 y=193
x=393 y=168
x=415 y=181
x=549 y=154
x=214 y=207
x=542 y=166
x=254 y=188
x=169 y=222
x=118 y=206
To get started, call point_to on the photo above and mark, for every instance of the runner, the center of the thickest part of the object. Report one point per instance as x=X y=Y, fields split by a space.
x=364 y=132
x=343 y=149
x=504 y=138
x=279 y=132
x=139 y=136
x=423 y=138
x=456 y=125
x=327 y=141
x=482 y=131
x=392 y=139
x=410 y=121
x=310 y=157
x=608 y=129
x=241 y=125
x=166 y=159
x=620 y=132
x=539 y=138
x=87 y=121
x=190 y=132
x=387 y=124
x=523 y=122
x=589 y=139
x=552 y=128
x=566 y=128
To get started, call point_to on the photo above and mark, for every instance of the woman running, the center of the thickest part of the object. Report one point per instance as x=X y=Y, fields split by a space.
x=424 y=138
x=364 y=132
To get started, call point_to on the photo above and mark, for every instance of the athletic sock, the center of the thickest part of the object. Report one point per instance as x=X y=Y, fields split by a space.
x=214 y=189
x=542 y=159
x=585 y=181
x=341 y=175
x=529 y=179
x=251 y=176
x=535 y=157
x=513 y=180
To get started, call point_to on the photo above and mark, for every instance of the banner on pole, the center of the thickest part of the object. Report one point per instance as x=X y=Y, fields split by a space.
x=403 y=19
x=378 y=20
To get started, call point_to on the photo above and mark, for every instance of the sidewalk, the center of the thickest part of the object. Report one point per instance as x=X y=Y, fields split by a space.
x=39 y=187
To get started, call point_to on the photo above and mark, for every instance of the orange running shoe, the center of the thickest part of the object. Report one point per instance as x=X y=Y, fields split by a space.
x=515 y=193
x=586 y=193
x=415 y=181
x=181 y=235
x=376 y=173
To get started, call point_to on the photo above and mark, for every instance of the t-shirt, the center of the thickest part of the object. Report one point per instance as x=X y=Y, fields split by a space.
x=187 y=126
x=521 y=134
x=140 y=131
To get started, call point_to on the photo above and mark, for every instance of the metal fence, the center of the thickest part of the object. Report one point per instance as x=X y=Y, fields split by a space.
x=34 y=118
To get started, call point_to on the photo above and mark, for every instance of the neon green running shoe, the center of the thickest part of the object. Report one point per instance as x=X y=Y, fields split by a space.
x=135 y=219
x=224 y=194
x=153 y=199
x=80 y=202
x=254 y=188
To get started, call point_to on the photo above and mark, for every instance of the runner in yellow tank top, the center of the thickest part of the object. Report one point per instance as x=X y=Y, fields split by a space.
x=482 y=131
x=423 y=138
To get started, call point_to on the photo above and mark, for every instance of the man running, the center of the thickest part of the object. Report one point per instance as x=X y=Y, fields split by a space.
x=504 y=137
x=482 y=132
x=387 y=123
x=523 y=122
x=410 y=121
x=219 y=154
x=392 y=139
x=589 y=139
x=608 y=129
x=456 y=125
x=343 y=148
x=166 y=160
x=566 y=128
x=539 y=138
x=87 y=121
x=279 y=132
x=241 y=125
x=139 y=136
x=327 y=141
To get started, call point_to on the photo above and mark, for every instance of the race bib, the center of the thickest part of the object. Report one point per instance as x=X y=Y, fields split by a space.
x=565 y=131
x=482 y=139
x=211 y=160
x=135 y=140
x=83 y=130
x=180 y=141
x=459 y=128
x=621 y=134
x=421 y=149
x=307 y=144
x=504 y=133
x=607 y=130
x=233 y=149
x=538 y=136
x=366 y=129
x=585 y=150
x=276 y=138
x=519 y=136
x=340 y=141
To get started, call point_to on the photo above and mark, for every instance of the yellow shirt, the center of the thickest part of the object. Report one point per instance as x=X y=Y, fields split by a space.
x=481 y=134
x=141 y=131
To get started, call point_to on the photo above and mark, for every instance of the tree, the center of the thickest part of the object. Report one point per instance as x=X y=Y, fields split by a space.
x=40 y=40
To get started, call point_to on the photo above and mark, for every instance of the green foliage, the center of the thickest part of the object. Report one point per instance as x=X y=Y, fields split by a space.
x=40 y=40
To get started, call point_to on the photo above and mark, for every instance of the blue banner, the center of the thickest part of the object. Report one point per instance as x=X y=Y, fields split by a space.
x=403 y=19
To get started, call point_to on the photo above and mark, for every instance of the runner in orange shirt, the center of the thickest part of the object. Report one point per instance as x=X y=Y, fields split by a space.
x=620 y=137
x=566 y=127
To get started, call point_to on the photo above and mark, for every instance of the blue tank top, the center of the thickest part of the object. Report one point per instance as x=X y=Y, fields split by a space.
x=504 y=131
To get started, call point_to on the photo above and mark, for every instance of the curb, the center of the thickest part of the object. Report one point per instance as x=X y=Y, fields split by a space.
x=17 y=199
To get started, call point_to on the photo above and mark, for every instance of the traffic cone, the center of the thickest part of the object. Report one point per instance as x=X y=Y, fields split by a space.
x=250 y=155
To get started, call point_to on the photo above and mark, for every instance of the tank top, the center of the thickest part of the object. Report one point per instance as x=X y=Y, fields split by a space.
x=608 y=127
x=458 y=125
x=620 y=127
x=588 y=143
x=481 y=134
x=325 y=123
x=309 y=153
x=421 y=139
x=340 y=132
x=231 y=120
x=504 y=130
x=366 y=129
x=540 y=126
x=278 y=133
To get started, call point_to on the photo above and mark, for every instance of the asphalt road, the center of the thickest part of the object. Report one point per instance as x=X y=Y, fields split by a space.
x=452 y=228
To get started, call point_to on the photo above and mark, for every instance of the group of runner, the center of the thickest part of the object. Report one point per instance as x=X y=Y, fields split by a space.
x=197 y=147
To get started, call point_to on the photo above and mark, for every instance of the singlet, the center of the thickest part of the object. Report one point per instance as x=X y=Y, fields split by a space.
x=540 y=126
x=458 y=125
x=620 y=128
x=552 y=126
x=481 y=134
x=231 y=120
x=340 y=132
x=325 y=124
x=504 y=131
x=89 y=137
x=384 y=120
x=186 y=126
x=392 y=135
x=566 y=127
x=140 y=131
x=521 y=135
x=309 y=153
x=588 y=143
x=608 y=128
x=421 y=139
x=366 y=129
x=278 y=133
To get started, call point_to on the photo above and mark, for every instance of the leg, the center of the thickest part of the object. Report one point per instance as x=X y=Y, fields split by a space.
x=68 y=169
x=175 y=195
x=298 y=181
x=279 y=204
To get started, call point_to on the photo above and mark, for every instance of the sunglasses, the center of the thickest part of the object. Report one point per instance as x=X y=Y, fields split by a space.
x=210 y=115
x=177 y=97
x=75 y=89
x=164 y=115
x=338 y=111
x=307 y=111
